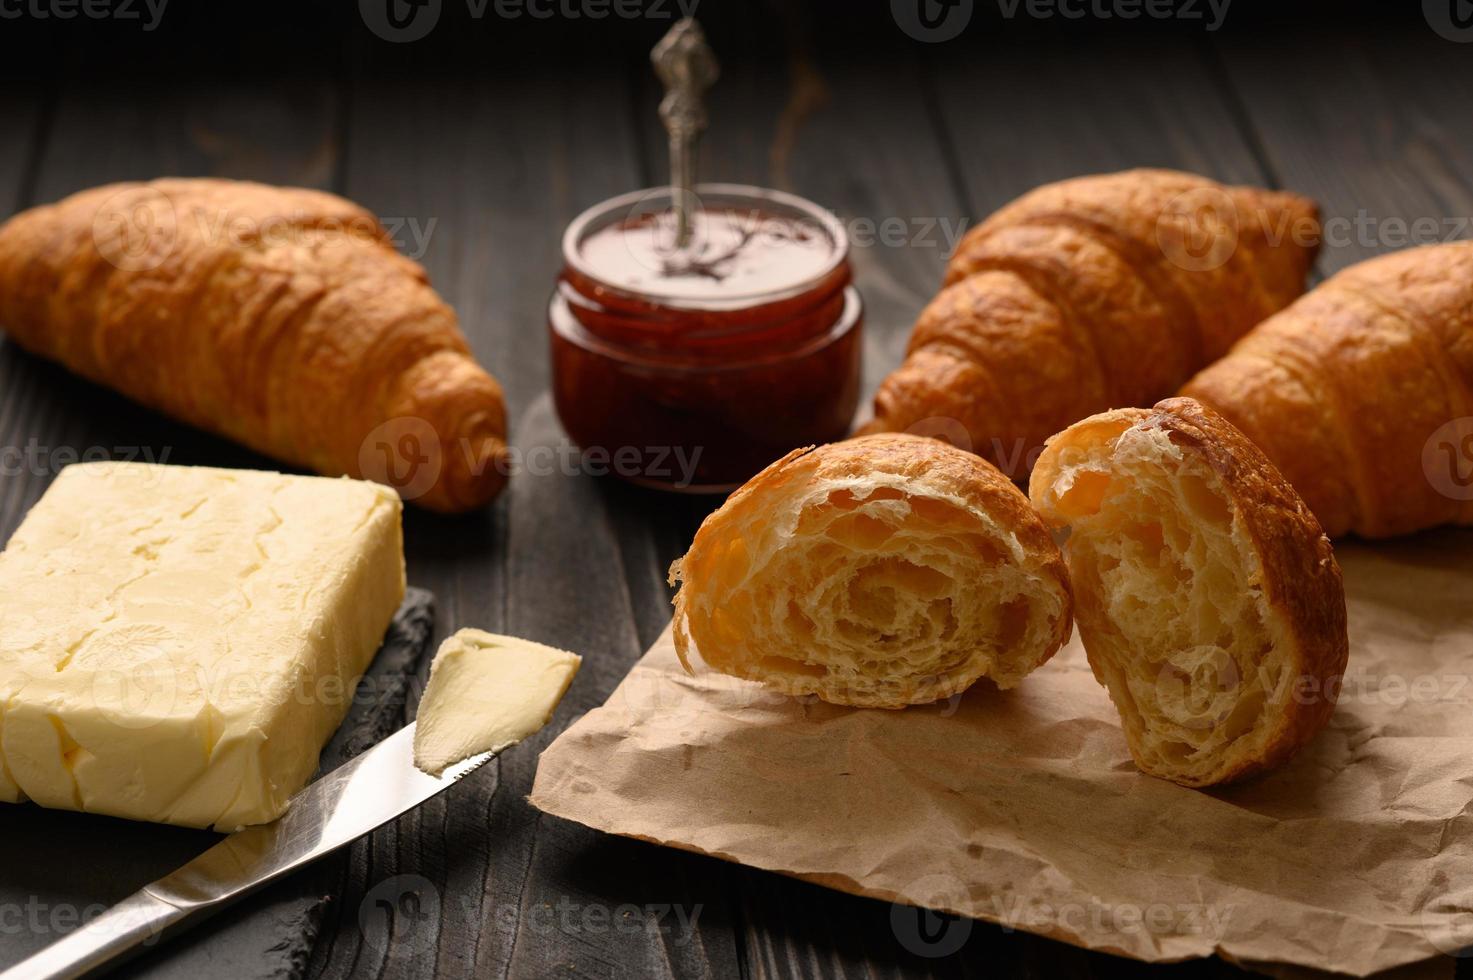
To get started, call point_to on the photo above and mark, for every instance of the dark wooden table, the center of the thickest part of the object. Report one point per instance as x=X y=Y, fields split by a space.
x=485 y=139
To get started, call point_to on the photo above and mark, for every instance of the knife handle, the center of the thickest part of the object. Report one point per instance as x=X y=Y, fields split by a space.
x=134 y=922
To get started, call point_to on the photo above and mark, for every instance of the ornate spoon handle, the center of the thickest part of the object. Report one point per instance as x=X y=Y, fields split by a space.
x=687 y=68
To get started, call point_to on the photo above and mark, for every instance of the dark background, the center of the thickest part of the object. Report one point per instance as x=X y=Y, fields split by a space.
x=500 y=130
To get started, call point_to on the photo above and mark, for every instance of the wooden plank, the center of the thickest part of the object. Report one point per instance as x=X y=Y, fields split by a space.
x=517 y=894
x=870 y=142
x=19 y=161
x=27 y=436
x=862 y=142
x=1383 y=148
x=275 y=129
x=1026 y=114
x=553 y=596
x=21 y=118
x=134 y=130
x=574 y=561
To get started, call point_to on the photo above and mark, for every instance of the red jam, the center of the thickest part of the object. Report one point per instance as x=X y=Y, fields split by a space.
x=692 y=367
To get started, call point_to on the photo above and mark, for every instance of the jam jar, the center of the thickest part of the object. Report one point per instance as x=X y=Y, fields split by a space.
x=690 y=361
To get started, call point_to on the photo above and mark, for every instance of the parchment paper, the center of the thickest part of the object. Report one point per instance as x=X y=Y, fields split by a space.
x=1023 y=807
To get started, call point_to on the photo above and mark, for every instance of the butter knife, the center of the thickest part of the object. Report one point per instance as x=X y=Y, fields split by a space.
x=347 y=803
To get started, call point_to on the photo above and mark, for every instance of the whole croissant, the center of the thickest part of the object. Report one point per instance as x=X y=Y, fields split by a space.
x=1089 y=294
x=279 y=317
x=1362 y=393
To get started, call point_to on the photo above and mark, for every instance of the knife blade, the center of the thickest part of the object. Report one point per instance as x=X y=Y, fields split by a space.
x=342 y=806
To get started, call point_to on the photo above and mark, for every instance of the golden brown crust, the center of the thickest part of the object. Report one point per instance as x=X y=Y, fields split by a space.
x=878 y=501
x=1346 y=388
x=279 y=317
x=1094 y=293
x=1297 y=575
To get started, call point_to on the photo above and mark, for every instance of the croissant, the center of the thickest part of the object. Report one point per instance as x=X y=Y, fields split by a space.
x=1088 y=294
x=882 y=571
x=1208 y=597
x=1362 y=392
x=280 y=318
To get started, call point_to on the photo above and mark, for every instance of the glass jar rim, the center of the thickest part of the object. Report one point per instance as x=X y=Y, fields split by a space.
x=630 y=204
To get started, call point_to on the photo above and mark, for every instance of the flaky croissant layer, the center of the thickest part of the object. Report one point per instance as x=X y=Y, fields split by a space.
x=1088 y=294
x=278 y=317
x=1208 y=597
x=879 y=572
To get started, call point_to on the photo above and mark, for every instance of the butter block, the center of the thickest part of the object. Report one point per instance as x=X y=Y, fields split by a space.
x=487 y=693
x=178 y=643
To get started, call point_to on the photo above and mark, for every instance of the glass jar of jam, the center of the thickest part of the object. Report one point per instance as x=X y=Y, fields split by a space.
x=691 y=362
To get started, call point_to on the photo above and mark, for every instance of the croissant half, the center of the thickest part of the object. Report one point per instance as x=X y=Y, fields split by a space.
x=1093 y=293
x=1208 y=598
x=878 y=572
x=1362 y=392
x=281 y=318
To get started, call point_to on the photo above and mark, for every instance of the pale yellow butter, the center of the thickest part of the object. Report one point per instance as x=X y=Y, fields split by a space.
x=178 y=643
x=487 y=693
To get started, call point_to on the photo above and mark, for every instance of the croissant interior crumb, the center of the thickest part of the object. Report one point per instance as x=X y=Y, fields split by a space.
x=1166 y=582
x=872 y=595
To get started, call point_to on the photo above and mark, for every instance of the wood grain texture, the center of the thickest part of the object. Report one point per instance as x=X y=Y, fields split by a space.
x=134 y=129
x=478 y=884
x=92 y=134
x=1374 y=132
x=1025 y=115
x=23 y=114
x=915 y=139
x=497 y=179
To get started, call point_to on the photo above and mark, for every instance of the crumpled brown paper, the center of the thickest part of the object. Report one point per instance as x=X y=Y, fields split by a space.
x=1023 y=807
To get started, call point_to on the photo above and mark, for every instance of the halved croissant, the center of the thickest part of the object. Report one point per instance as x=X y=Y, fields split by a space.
x=279 y=317
x=1209 y=600
x=1093 y=293
x=1362 y=392
x=878 y=572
